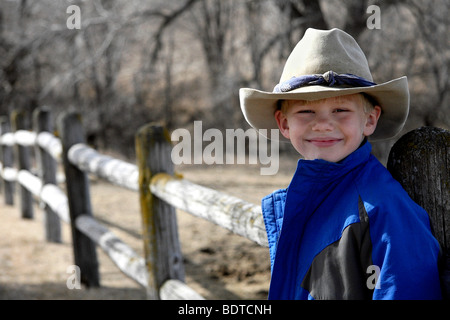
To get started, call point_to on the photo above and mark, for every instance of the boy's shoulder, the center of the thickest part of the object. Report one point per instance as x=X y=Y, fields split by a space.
x=373 y=184
x=378 y=189
x=376 y=178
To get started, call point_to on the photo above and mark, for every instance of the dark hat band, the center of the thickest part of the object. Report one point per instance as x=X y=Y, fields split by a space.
x=329 y=78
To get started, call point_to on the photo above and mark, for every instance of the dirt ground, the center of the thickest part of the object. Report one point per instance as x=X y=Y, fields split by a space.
x=219 y=264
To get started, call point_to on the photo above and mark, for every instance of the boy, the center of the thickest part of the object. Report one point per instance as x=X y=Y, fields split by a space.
x=344 y=228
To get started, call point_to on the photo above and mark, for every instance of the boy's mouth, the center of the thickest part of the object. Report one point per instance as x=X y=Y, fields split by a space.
x=324 y=142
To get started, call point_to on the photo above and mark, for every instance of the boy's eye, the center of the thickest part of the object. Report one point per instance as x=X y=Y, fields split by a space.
x=341 y=110
x=305 y=111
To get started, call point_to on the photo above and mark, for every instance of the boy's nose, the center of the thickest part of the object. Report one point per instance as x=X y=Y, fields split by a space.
x=322 y=124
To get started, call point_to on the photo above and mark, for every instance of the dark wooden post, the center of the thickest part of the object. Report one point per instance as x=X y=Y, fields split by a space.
x=7 y=158
x=77 y=183
x=160 y=232
x=42 y=122
x=23 y=160
x=420 y=161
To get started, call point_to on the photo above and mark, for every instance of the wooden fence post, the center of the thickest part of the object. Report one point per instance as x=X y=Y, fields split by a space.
x=160 y=231
x=7 y=159
x=23 y=158
x=42 y=122
x=77 y=183
x=420 y=161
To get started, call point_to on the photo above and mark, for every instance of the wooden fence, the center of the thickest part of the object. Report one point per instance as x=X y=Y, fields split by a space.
x=419 y=155
x=161 y=270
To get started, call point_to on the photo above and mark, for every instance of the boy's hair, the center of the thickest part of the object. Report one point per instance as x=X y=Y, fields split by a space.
x=367 y=102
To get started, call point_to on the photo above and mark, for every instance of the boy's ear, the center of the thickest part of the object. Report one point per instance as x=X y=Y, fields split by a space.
x=282 y=123
x=372 y=120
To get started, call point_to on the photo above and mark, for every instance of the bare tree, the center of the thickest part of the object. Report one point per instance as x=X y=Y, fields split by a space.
x=431 y=19
x=212 y=21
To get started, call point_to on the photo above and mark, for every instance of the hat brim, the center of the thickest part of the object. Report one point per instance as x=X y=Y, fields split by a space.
x=259 y=107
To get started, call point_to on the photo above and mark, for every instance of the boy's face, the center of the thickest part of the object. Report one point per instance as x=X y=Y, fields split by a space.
x=328 y=129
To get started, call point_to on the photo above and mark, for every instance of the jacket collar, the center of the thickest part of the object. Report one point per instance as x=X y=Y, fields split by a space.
x=319 y=170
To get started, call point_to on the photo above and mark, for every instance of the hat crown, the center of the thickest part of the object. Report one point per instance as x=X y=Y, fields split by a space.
x=320 y=51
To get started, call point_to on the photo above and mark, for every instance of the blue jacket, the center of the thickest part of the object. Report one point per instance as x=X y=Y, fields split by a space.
x=348 y=230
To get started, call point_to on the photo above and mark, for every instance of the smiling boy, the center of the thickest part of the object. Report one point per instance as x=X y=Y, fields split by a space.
x=328 y=129
x=344 y=228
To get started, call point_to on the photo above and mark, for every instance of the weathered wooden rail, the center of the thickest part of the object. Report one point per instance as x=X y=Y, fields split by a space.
x=419 y=155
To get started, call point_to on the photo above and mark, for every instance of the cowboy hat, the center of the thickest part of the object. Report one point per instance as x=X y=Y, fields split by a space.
x=325 y=64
